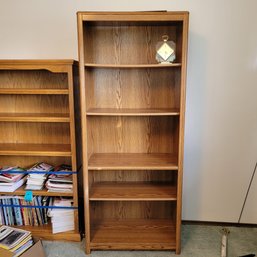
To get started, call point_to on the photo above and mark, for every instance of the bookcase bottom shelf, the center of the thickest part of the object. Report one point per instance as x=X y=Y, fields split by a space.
x=45 y=233
x=134 y=234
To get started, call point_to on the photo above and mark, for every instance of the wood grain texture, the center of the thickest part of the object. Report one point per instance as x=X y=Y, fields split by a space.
x=154 y=176
x=132 y=134
x=132 y=112
x=133 y=235
x=57 y=66
x=28 y=161
x=120 y=210
x=28 y=91
x=133 y=88
x=35 y=117
x=34 y=103
x=34 y=133
x=130 y=161
x=35 y=149
x=128 y=191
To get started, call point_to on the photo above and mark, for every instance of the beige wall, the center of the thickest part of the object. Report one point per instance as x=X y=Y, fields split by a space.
x=221 y=117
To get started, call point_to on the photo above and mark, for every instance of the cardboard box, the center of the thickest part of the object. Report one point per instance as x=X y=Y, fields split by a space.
x=36 y=250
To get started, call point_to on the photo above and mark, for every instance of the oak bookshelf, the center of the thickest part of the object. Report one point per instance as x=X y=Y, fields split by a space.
x=132 y=120
x=37 y=124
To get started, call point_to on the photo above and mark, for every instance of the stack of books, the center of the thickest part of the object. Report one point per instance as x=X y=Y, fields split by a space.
x=15 y=240
x=35 y=180
x=60 y=182
x=18 y=215
x=62 y=219
x=9 y=182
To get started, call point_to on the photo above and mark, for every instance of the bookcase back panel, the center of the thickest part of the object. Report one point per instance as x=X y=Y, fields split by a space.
x=133 y=176
x=34 y=133
x=132 y=134
x=127 y=43
x=33 y=79
x=132 y=210
x=133 y=88
x=28 y=161
x=34 y=104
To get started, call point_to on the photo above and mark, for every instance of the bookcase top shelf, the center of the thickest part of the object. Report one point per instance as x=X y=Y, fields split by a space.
x=126 y=66
x=51 y=65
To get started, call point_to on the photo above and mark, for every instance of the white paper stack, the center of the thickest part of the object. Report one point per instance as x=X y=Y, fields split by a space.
x=9 y=182
x=62 y=219
x=36 y=181
x=60 y=182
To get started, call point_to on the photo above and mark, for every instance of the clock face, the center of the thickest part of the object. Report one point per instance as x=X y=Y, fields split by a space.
x=165 y=51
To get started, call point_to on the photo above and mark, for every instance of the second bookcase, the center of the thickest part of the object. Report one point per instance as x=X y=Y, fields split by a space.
x=37 y=125
x=132 y=116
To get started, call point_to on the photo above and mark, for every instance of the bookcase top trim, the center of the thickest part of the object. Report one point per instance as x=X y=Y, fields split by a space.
x=134 y=16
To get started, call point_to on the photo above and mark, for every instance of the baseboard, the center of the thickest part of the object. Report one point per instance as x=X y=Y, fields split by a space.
x=215 y=223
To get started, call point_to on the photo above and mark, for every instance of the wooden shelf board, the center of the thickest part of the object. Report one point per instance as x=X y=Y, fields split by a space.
x=132 y=191
x=132 y=161
x=36 y=149
x=133 y=112
x=45 y=232
x=36 y=91
x=35 y=117
x=133 y=235
x=125 y=66
x=43 y=192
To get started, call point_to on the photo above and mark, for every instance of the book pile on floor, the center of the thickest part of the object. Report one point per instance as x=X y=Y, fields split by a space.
x=62 y=219
x=19 y=216
x=36 y=181
x=60 y=182
x=9 y=182
x=15 y=240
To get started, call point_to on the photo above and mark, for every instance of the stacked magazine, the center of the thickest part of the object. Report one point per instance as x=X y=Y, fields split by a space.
x=9 y=182
x=60 y=182
x=36 y=180
x=62 y=219
x=15 y=240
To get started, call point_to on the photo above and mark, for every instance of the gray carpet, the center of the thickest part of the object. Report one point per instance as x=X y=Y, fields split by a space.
x=197 y=241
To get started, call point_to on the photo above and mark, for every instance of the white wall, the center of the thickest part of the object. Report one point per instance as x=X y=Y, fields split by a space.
x=221 y=117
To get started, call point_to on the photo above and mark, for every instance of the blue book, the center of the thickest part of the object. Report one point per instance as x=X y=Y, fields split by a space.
x=17 y=212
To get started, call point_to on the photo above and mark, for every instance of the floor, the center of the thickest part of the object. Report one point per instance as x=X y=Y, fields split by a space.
x=197 y=241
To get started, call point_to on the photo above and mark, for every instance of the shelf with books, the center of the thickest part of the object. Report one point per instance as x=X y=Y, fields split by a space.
x=21 y=191
x=37 y=125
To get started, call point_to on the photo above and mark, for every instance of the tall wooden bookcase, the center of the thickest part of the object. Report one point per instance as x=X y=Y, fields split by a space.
x=37 y=124
x=132 y=115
